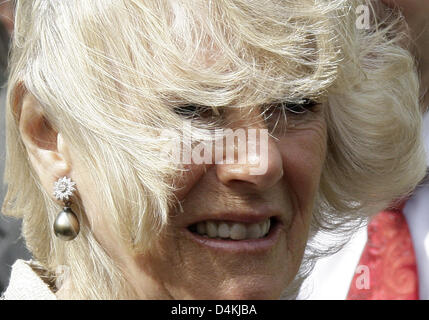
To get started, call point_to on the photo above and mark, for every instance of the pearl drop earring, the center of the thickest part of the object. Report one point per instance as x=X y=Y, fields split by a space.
x=66 y=225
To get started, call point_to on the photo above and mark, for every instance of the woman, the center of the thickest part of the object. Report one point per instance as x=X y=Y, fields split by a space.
x=95 y=84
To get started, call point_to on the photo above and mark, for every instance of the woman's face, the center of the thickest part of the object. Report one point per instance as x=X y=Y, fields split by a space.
x=240 y=235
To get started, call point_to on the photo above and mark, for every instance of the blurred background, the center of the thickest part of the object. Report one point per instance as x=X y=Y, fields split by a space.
x=12 y=246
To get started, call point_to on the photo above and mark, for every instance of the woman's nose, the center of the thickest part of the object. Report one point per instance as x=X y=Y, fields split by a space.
x=262 y=167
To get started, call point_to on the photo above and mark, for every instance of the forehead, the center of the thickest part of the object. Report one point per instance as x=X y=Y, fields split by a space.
x=253 y=54
x=217 y=53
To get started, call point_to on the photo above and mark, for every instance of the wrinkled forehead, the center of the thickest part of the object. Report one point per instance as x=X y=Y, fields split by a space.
x=218 y=52
x=249 y=52
x=215 y=53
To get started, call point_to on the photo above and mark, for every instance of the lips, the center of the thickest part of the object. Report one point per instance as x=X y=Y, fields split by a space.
x=248 y=234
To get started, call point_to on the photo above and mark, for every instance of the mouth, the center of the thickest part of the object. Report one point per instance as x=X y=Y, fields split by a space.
x=236 y=236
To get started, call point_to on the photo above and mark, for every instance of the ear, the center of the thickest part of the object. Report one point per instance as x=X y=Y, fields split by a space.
x=46 y=149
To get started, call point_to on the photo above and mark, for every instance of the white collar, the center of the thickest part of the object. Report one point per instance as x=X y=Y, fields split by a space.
x=25 y=284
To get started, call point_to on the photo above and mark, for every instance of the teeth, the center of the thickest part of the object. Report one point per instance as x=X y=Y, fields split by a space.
x=254 y=231
x=201 y=228
x=238 y=231
x=211 y=229
x=235 y=231
x=223 y=230
x=267 y=226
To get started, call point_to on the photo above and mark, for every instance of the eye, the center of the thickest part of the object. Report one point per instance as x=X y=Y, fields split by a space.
x=186 y=111
x=283 y=115
x=194 y=111
x=299 y=107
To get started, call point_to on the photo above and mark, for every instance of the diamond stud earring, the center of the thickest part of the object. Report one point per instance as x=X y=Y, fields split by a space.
x=66 y=225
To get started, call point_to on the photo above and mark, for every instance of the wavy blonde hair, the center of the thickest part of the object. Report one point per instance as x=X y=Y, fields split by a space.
x=106 y=72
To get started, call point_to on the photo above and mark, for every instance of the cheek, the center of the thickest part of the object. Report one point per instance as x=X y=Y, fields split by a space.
x=303 y=153
x=186 y=180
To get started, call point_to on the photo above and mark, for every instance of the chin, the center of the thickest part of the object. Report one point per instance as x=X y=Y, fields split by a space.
x=246 y=289
x=251 y=295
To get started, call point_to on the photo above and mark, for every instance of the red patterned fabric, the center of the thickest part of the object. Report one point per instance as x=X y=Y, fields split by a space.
x=388 y=259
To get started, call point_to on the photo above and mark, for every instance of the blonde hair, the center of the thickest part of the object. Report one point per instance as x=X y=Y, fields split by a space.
x=107 y=72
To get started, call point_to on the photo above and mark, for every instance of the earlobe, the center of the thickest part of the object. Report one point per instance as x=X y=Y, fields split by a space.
x=45 y=146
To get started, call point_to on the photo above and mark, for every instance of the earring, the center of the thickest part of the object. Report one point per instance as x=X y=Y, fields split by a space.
x=66 y=225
